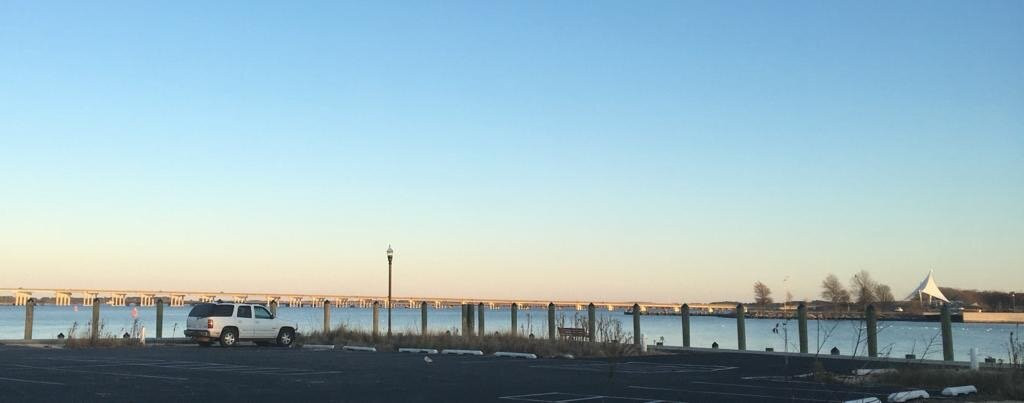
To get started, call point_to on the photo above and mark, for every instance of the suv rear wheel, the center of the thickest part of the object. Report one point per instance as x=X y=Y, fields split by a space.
x=285 y=337
x=228 y=337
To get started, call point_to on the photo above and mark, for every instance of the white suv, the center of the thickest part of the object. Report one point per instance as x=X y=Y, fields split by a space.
x=230 y=323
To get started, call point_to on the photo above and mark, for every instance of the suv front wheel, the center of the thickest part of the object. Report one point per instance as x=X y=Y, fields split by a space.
x=285 y=337
x=228 y=337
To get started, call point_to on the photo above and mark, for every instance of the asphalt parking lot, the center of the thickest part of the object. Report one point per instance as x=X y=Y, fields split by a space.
x=188 y=373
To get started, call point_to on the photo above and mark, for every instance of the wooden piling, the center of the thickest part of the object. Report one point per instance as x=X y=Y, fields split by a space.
x=872 y=328
x=947 y=334
x=327 y=316
x=551 y=321
x=637 y=337
x=470 y=319
x=515 y=318
x=95 y=325
x=801 y=314
x=591 y=322
x=685 y=314
x=423 y=318
x=30 y=316
x=376 y=319
x=741 y=328
x=480 y=318
x=159 y=318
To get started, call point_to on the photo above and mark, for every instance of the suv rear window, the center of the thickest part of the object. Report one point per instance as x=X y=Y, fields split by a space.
x=211 y=310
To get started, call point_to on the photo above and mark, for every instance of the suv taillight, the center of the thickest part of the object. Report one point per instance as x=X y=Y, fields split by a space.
x=209 y=323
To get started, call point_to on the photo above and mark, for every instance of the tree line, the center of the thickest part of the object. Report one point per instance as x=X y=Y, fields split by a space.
x=863 y=290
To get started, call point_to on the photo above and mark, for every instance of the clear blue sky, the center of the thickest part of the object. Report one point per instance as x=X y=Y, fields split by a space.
x=618 y=150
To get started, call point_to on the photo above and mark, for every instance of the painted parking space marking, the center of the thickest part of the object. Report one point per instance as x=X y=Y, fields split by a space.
x=560 y=397
x=635 y=367
x=169 y=378
x=739 y=385
x=749 y=395
x=187 y=366
x=30 y=381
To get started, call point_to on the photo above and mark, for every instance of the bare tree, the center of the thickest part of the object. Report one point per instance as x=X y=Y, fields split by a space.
x=863 y=287
x=883 y=294
x=833 y=290
x=762 y=294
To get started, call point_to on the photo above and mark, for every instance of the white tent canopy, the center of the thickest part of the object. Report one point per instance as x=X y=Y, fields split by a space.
x=929 y=288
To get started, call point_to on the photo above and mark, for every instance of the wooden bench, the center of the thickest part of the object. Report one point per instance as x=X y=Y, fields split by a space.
x=573 y=333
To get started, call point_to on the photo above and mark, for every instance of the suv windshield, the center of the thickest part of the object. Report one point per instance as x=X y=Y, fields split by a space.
x=211 y=310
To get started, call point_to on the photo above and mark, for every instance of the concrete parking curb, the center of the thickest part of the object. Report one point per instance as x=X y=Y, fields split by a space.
x=909 y=395
x=515 y=355
x=417 y=350
x=960 y=390
x=318 y=347
x=462 y=352
x=360 y=348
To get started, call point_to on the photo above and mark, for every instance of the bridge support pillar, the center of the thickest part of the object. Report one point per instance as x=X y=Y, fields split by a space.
x=89 y=297
x=117 y=299
x=21 y=297
x=62 y=298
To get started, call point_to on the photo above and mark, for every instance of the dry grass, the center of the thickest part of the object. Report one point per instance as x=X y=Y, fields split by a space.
x=489 y=343
x=81 y=338
x=992 y=383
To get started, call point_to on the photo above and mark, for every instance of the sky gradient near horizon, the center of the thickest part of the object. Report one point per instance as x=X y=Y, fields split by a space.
x=663 y=150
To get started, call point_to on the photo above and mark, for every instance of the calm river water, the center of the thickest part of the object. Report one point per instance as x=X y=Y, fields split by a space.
x=894 y=338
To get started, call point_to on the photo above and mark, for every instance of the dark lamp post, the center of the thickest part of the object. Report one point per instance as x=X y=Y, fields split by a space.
x=391 y=256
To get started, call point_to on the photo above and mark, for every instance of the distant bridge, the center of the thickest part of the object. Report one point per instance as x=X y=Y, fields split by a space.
x=120 y=297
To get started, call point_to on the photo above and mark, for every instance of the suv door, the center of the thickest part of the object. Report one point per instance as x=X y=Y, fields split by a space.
x=246 y=328
x=266 y=326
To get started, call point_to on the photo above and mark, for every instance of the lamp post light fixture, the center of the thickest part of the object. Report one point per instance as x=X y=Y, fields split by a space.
x=391 y=256
x=1013 y=301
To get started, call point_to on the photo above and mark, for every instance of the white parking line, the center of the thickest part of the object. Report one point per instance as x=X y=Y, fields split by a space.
x=170 y=378
x=738 y=385
x=31 y=381
x=730 y=394
x=576 y=397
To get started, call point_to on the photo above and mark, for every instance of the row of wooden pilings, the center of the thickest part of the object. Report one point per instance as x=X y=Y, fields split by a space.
x=94 y=323
x=470 y=327
x=473 y=324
